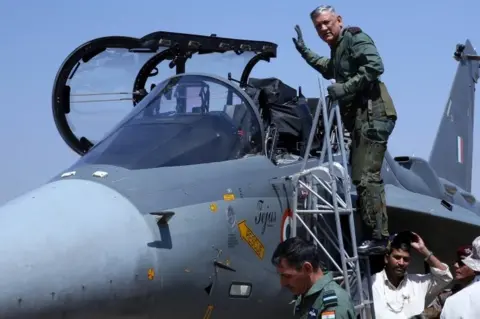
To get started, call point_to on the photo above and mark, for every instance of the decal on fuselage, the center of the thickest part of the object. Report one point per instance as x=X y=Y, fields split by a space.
x=286 y=226
x=208 y=312
x=231 y=221
x=247 y=235
x=151 y=274
x=213 y=207
x=229 y=196
x=265 y=218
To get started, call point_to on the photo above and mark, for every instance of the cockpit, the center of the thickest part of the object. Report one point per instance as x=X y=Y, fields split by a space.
x=187 y=119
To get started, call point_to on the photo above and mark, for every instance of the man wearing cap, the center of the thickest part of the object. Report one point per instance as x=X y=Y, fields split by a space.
x=367 y=109
x=397 y=294
x=463 y=277
x=466 y=302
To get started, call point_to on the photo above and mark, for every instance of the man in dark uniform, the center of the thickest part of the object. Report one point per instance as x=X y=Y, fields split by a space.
x=367 y=112
x=318 y=295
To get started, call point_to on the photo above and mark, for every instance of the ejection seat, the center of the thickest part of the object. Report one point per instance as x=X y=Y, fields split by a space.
x=287 y=117
x=248 y=131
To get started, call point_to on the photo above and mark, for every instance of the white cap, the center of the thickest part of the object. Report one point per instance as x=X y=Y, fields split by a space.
x=473 y=260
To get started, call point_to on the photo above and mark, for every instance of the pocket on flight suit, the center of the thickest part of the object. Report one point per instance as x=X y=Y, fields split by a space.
x=373 y=126
x=373 y=145
x=374 y=139
x=356 y=157
x=387 y=103
x=375 y=132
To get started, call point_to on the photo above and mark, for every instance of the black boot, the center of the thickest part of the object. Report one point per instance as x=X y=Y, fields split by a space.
x=377 y=243
x=373 y=247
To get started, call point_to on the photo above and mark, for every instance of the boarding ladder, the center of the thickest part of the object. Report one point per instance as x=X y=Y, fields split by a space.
x=317 y=184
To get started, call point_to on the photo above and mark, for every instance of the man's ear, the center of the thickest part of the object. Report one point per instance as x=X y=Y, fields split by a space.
x=340 y=19
x=385 y=259
x=307 y=267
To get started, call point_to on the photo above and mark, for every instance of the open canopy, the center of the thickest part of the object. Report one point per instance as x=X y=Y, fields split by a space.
x=102 y=80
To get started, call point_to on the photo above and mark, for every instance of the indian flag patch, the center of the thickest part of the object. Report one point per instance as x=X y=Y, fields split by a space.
x=328 y=315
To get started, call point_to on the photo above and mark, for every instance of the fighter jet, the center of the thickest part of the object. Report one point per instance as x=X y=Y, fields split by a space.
x=174 y=210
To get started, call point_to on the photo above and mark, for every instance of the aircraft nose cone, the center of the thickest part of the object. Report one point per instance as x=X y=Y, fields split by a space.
x=68 y=242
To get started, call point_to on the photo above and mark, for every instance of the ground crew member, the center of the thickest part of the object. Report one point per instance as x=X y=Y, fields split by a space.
x=465 y=303
x=463 y=277
x=367 y=112
x=319 y=296
x=398 y=294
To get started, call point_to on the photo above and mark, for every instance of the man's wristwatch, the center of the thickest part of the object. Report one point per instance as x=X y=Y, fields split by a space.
x=430 y=253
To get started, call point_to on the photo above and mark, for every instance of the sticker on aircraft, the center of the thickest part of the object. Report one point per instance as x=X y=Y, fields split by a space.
x=247 y=235
x=286 y=226
x=231 y=221
x=208 y=312
x=229 y=196
x=265 y=218
x=213 y=207
x=151 y=274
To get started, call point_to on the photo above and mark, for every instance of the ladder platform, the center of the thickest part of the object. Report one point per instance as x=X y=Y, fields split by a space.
x=322 y=172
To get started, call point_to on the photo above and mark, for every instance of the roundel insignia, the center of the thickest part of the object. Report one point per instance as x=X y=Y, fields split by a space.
x=286 y=228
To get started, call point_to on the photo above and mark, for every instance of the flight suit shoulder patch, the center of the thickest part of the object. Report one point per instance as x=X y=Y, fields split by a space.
x=354 y=30
x=330 y=299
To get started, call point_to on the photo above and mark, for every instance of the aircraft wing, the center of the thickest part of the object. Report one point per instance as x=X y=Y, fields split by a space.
x=398 y=198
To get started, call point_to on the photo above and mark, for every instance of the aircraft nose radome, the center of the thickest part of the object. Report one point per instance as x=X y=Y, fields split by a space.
x=68 y=241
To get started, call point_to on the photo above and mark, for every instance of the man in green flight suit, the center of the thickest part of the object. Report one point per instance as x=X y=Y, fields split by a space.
x=367 y=112
x=318 y=295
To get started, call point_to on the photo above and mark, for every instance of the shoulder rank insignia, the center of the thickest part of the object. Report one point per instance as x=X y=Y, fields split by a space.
x=312 y=313
x=329 y=299
x=328 y=314
x=354 y=30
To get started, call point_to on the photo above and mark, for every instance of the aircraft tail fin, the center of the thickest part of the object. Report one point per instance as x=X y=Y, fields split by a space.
x=452 y=151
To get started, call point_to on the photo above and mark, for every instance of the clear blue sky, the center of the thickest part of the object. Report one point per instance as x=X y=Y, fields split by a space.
x=416 y=40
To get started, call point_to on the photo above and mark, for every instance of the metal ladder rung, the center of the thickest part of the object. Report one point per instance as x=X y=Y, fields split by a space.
x=364 y=304
x=330 y=208
x=342 y=211
x=351 y=259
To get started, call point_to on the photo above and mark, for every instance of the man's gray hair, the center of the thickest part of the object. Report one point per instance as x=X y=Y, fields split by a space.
x=321 y=9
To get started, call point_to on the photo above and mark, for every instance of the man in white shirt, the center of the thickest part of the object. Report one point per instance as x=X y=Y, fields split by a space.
x=465 y=304
x=397 y=294
x=463 y=277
